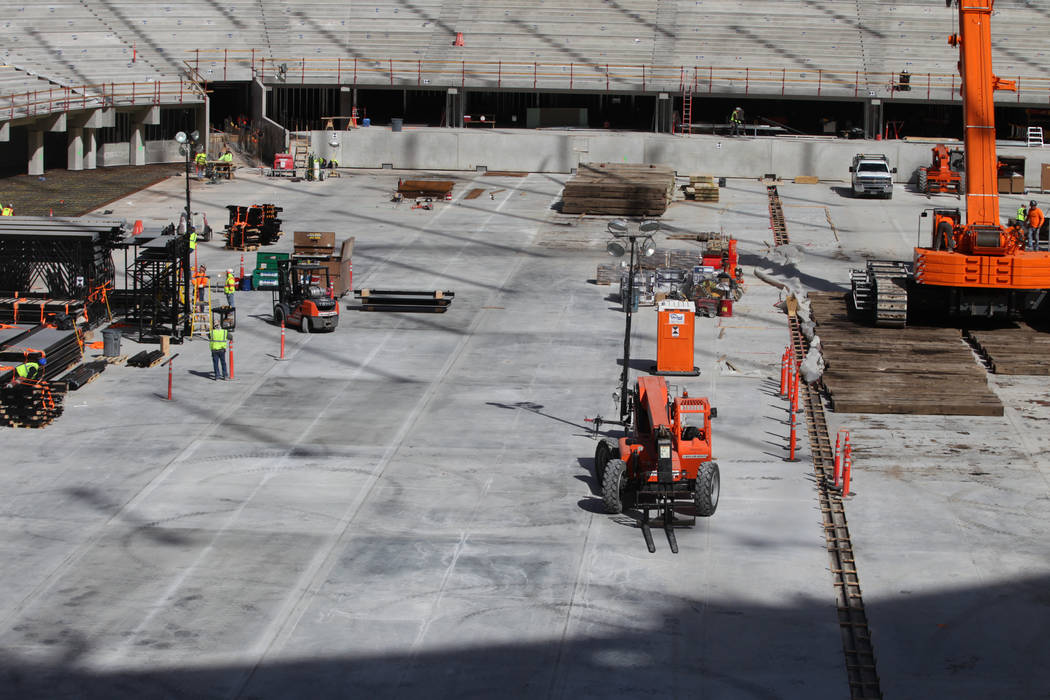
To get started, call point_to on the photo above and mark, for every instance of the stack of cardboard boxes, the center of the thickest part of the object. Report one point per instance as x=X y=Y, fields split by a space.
x=320 y=247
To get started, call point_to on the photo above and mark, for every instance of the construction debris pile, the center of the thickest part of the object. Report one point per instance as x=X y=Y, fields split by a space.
x=708 y=276
x=620 y=189
x=252 y=226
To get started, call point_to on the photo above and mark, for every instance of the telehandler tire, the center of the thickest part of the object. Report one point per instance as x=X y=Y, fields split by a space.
x=603 y=452
x=613 y=484
x=706 y=489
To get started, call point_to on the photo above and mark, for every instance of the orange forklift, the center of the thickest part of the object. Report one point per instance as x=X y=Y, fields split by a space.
x=303 y=297
x=943 y=173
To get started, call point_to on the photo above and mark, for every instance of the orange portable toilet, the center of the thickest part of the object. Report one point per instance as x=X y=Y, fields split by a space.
x=674 y=338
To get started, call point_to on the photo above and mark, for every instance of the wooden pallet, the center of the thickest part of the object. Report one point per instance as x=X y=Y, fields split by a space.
x=922 y=371
x=619 y=189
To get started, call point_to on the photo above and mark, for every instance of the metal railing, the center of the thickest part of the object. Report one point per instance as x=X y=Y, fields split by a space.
x=766 y=81
x=56 y=98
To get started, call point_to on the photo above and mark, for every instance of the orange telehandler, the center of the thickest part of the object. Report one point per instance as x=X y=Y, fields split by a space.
x=665 y=459
x=976 y=268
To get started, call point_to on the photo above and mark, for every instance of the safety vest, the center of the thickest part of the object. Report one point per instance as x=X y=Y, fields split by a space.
x=734 y=117
x=27 y=368
x=231 y=284
x=193 y=240
x=7 y=211
x=227 y=157
x=201 y=158
x=218 y=339
x=1020 y=213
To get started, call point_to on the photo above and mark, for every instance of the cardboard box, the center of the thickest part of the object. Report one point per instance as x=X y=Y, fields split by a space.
x=1017 y=184
x=314 y=239
x=1044 y=181
x=1004 y=185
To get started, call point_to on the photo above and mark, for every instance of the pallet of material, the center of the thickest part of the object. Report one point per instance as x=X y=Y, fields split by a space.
x=426 y=188
x=619 y=189
x=32 y=404
x=1021 y=350
x=402 y=300
x=146 y=358
x=83 y=374
x=702 y=188
x=60 y=347
x=912 y=370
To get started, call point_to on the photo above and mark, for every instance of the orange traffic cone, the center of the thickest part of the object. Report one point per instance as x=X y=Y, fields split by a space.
x=459 y=39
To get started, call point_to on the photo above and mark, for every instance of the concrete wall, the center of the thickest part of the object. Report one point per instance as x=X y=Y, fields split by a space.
x=561 y=151
x=110 y=154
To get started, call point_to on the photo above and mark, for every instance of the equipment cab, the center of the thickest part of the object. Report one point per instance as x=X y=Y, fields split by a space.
x=303 y=297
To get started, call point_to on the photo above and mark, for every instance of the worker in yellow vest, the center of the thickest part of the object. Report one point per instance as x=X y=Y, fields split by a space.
x=30 y=370
x=193 y=240
x=201 y=161
x=229 y=287
x=218 y=341
x=7 y=210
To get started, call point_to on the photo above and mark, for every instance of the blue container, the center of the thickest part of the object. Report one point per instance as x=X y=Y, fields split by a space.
x=246 y=284
x=367 y=121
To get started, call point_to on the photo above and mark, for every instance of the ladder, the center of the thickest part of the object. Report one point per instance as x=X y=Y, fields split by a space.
x=687 y=108
x=300 y=152
x=201 y=322
x=1035 y=137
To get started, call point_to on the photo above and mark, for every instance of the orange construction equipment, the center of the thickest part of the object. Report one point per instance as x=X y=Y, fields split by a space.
x=972 y=268
x=674 y=338
x=940 y=176
x=665 y=459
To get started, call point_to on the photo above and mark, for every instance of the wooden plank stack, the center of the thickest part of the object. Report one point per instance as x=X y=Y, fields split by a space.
x=922 y=371
x=702 y=188
x=619 y=189
x=1019 y=350
x=438 y=189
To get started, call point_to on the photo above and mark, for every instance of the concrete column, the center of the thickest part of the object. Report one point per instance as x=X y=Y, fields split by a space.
x=137 y=146
x=202 y=124
x=75 y=148
x=36 y=152
x=90 y=150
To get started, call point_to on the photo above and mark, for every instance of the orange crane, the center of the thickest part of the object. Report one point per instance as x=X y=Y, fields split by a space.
x=979 y=268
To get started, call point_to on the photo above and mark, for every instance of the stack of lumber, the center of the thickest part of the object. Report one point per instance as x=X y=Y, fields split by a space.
x=1018 y=350
x=913 y=370
x=31 y=404
x=702 y=188
x=437 y=189
x=619 y=189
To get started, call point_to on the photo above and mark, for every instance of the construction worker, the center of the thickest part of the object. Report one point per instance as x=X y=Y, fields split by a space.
x=31 y=370
x=736 y=122
x=229 y=287
x=1020 y=214
x=218 y=340
x=200 y=283
x=226 y=156
x=7 y=210
x=201 y=161
x=1033 y=222
x=193 y=239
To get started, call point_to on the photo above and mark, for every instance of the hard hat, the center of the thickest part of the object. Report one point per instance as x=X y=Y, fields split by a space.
x=1032 y=203
x=229 y=269
x=42 y=361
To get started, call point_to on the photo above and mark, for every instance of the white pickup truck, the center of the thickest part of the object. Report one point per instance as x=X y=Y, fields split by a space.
x=872 y=175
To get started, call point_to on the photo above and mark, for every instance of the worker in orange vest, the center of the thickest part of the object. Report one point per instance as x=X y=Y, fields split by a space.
x=1033 y=223
x=200 y=282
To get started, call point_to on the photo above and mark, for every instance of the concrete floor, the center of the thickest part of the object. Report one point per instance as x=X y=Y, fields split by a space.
x=406 y=507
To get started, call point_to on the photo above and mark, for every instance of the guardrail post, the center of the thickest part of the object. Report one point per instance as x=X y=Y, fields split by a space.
x=820 y=80
x=747 y=80
x=929 y=85
x=570 y=76
x=643 y=77
x=710 y=79
x=225 y=57
x=302 y=70
x=339 y=70
x=534 y=75
x=856 y=83
x=499 y=74
x=606 y=77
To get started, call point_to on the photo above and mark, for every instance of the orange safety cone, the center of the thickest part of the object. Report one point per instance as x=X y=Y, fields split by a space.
x=459 y=40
